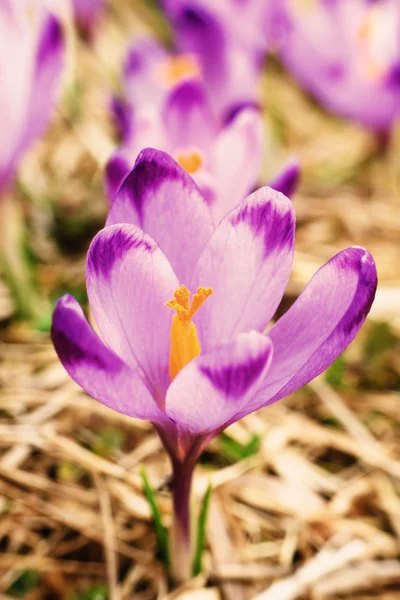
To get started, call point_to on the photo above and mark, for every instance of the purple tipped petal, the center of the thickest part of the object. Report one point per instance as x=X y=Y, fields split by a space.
x=45 y=86
x=214 y=386
x=128 y=281
x=94 y=367
x=116 y=169
x=287 y=180
x=321 y=323
x=236 y=159
x=162 y=199
x=188 y=118
x=247 y=262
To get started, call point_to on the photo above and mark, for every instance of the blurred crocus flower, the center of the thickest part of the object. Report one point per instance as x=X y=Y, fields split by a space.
x=31 y=61
x=167 y=105
x=87 y=13
x=347 y=54
x=193 y=364
x=229 y=40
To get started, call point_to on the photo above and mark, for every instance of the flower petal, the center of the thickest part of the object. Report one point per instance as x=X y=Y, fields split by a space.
x=247 y=262
x=49 y=66
x=214 y=386
x=116 y=169
x=162 y=199
x=287 y=179
x=230 y=62
x=94 y=367
x=188 y=118
x=128 y=281
x=143 y=70
x=201 y=33
x=236 y=160
x=321 y=323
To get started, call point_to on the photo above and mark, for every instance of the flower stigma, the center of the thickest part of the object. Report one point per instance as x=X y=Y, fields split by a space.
x=178 y=68
x=191 y=161
x=184 y=345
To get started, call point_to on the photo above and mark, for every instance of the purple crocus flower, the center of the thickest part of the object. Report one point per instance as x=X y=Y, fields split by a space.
x=347 y=54
x=193 y=365
x=228 y=39
x=87 y=13
x=167 y=105
x=29 y=80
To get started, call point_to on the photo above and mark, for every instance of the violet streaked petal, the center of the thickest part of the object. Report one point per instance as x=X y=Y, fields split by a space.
x=188 y=118
x=94 y=367
x=320 y=325
x=247 y=262
x=47 y=78
x=116 y=170
x=287 y=179
x=128 y=281
x=199 y=32
x=236 y=160
x=213 y=387
x=161 y=198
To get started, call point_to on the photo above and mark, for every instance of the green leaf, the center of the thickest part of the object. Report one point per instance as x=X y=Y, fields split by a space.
x=201 y=533
x=161 y=531
x=26 y=581
x=335 y=373
x=234 y=451
x=98 y=592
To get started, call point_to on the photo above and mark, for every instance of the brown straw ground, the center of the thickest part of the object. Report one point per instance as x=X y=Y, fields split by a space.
x=306 y=499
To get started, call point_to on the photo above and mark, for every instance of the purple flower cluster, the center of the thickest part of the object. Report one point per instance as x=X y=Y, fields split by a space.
x=199 y=102
x=187 y=274
x=186 y=277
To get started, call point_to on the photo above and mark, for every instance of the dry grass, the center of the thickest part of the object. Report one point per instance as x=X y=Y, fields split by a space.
x=315 y=513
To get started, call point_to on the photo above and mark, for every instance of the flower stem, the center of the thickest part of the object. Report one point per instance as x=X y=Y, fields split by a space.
x=181 y=539
x=12 y=259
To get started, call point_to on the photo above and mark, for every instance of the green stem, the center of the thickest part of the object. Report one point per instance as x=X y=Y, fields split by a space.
x=13 y=261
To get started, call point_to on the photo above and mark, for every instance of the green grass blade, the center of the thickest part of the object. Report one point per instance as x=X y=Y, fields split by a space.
x=201 y=532
x=161 y=531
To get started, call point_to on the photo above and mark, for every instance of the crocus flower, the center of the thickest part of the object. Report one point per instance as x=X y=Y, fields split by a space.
x=194 y=364
x=31 y=61
x=229 y=41
x=347 y=54
x=87 y=13
x=167 y=106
